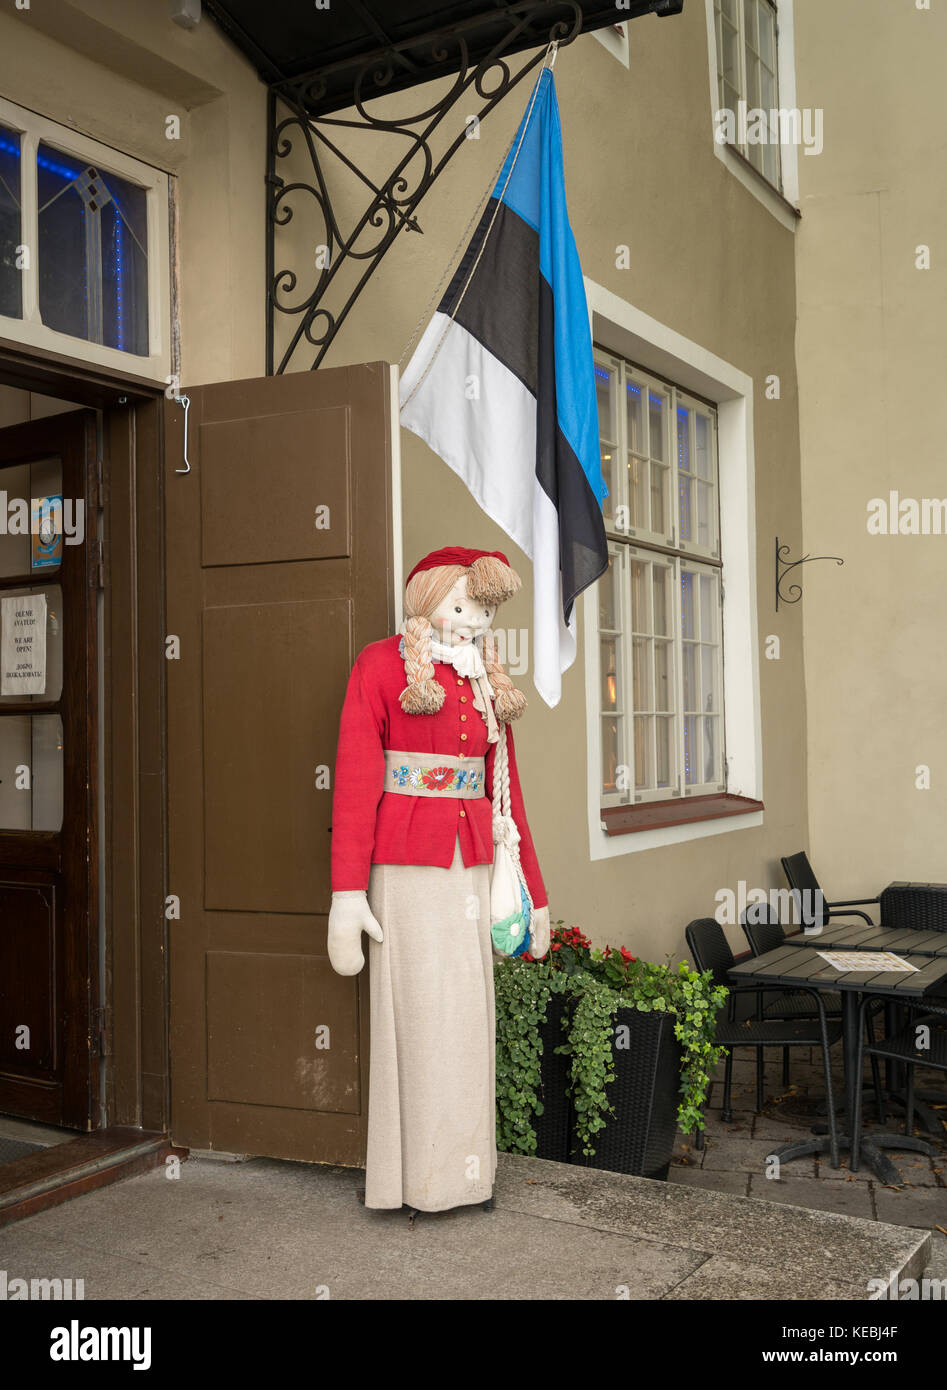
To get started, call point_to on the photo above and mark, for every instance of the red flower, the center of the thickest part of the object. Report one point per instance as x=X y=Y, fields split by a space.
x=438 y=779
x=626 y=955
x=608 y=952
x=555 y=946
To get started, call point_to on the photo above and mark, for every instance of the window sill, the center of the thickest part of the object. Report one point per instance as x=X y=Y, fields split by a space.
x=656 y=815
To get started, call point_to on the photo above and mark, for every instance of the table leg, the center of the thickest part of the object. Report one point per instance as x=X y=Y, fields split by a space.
x=872 y=1146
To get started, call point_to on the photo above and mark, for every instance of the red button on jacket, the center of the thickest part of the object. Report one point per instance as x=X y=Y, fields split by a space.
x=373 y=826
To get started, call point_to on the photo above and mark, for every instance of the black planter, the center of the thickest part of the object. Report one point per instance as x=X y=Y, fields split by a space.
x=639 y=1137
x=554 y=1126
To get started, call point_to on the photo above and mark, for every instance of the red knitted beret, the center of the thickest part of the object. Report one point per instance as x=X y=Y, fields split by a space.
x=454 y=555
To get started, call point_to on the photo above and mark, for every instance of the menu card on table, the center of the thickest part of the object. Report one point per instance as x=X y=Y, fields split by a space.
x=865 y=960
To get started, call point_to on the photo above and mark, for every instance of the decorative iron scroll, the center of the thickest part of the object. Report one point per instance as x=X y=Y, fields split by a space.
x=325 y=302
x=783 y=566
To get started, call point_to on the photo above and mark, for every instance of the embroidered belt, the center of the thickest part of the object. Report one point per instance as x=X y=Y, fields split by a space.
x=433 y=774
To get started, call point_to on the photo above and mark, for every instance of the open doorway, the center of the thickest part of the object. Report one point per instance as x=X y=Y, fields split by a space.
x=52 y=937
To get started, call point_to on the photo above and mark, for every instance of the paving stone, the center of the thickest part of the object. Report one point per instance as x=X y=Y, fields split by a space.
x=715 y=1181
x=852 y=1199
x=919 y=1206
x=736 y=1152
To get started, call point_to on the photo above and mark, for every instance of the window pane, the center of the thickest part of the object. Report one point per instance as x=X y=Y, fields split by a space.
x=664 y=773
x=33 y=741
x=11 y=301
x=730 y=57
x=637 y=438
x=752 y=90
x=687 y=604
x=656 y=409
x=661 y=575
x=710 y=750
x=641 y=672
x=683 y=471
x=54 y=641
x=638 y=493
x=610 y=754
x=609 y=606
x=767 y=36
x=93 y=253
x=692 y=763
x=605 y=381
x=749 y=23
x=708 y=607
x=703 y=447
x=34 y=491
x=611 y=694
x=662 y=675
x=705 y=515
x=659 y=485
x=689 y=661
x=643 y=779
x=729 y=8
x=640 y=608
x=708 y=656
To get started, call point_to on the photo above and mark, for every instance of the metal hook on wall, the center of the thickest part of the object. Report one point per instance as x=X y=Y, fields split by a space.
x=185 y=401
x=783 y=566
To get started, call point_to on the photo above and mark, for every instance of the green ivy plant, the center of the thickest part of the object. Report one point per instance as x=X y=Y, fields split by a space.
x=597 y=983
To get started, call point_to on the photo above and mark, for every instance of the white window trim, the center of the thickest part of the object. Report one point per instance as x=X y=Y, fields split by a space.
x=614 y=37
x=30 y=329
x=627 y=331
x=788 y=152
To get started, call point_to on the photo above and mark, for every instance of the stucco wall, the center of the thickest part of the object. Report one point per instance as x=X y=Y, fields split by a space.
x=871 y=355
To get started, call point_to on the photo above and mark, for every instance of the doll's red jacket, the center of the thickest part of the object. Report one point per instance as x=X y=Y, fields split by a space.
x=373 y=826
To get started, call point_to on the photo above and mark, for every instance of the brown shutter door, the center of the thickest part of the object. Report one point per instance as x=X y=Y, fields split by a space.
x=279 y=563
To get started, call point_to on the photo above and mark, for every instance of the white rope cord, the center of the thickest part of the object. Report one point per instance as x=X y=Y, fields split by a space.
x=552 y=49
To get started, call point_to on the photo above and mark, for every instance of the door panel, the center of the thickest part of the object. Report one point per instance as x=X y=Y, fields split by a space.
x=279 y=564
x=48 y=831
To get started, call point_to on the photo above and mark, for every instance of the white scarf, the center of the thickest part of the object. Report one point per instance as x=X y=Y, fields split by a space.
x=467 y=660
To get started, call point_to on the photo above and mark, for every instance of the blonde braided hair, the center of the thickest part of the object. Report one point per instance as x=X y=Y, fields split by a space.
x=423 y=694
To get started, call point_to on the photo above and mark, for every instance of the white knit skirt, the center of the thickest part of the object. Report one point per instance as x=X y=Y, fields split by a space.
x=432 y=1076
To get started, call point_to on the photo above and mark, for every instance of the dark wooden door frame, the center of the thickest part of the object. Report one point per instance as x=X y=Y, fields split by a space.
x=135 y=1018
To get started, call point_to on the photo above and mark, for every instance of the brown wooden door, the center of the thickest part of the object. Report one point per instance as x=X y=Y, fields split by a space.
x=48 y=903
x=279 y=565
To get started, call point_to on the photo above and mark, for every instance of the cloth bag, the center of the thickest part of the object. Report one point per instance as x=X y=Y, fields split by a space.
x=511 y=906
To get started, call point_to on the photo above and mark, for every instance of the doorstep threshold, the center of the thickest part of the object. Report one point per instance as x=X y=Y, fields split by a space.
x=62 y=1171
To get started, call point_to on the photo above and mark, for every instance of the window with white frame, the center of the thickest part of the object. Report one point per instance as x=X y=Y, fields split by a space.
x=747 y=36
x=660 y=630
x=84 y=263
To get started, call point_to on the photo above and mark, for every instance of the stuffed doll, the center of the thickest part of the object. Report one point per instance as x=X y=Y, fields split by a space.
x=412 y=848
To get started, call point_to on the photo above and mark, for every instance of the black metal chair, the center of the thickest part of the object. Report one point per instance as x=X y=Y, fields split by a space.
x=711 y=951
x=764 y=932
x=803 y=882
x=902 y=1047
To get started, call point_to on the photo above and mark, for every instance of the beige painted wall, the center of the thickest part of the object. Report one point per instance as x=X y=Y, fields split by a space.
x=871 y=355
x=707 y=260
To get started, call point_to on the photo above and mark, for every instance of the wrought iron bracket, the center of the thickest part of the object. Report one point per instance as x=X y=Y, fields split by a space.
x=315 y=296
x=783 y=566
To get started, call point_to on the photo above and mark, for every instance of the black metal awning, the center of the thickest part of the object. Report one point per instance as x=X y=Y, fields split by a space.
x=294 y=45
x=324 y=69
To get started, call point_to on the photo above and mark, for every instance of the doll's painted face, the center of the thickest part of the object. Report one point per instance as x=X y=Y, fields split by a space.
x=459 y=618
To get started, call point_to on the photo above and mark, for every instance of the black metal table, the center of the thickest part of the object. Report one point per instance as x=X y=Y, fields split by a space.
x=793 y=967
x=859 y=936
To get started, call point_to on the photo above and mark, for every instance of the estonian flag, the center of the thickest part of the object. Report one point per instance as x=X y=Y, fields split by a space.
x=502 y=384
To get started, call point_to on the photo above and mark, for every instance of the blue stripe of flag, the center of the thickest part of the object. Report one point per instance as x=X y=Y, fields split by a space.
x=536 y=192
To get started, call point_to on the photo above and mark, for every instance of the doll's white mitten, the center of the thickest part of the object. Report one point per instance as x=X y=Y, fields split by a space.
x=539 y=932
x=349 y=916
